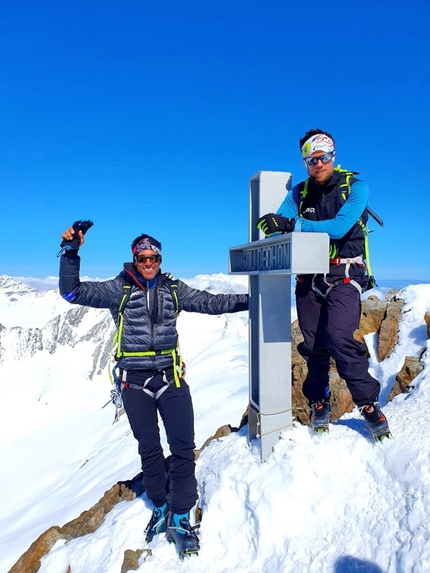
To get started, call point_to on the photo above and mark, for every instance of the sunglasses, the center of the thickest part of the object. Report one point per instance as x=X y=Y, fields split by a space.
x=151 y=258
x=326 y=158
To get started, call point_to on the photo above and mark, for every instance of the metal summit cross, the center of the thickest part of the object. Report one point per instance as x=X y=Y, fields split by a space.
x=270 y=263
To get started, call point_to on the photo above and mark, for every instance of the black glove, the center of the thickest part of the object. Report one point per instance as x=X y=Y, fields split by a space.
x=75 y=243
x=272 y=223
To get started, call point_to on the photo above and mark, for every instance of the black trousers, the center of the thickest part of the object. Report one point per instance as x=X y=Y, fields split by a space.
x=327 y=325
x=172 y=479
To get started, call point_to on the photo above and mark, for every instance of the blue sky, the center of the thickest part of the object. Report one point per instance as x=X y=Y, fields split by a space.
x=152 y=116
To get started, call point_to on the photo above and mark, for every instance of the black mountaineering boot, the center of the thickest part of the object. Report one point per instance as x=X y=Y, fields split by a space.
x=375 y=420
x=320 y=416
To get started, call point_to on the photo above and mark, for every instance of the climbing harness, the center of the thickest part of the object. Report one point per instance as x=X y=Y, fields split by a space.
x=119 y=379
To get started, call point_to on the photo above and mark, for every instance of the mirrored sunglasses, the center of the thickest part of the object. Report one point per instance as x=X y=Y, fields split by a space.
x=326 y=158
x=151 y=258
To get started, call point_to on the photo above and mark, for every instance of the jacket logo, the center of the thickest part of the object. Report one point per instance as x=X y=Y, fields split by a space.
x=309 y=210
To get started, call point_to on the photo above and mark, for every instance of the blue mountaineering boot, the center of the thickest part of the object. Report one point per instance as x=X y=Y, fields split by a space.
x=375 y=420
x=158 y=522
x=320 y=416
x=180 y=532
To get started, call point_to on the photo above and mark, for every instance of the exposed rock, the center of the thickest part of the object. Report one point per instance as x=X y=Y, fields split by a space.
x=387 y=338
x=427 y=321
x=29 y=562
x=381 y=317
x=131 y=559
x=373 y=312
x=389 y=331
x=220 y=433
x=90 y=520
x=86 y=523
x=410 y=369
x=341 y=400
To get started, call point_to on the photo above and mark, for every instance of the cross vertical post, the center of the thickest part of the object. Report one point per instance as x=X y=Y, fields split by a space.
x=270 y=263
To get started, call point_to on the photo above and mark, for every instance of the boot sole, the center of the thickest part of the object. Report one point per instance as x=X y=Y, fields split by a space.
x=321 y=430
x=382 y=437
x=184 y=552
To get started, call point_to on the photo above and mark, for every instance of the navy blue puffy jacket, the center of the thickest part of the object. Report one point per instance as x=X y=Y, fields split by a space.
x=143 y=331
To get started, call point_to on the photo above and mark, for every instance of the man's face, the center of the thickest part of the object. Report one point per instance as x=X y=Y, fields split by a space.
x=147 y=264
x=321 y=172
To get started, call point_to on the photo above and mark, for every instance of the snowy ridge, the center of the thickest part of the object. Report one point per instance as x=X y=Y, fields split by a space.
x=335 y=503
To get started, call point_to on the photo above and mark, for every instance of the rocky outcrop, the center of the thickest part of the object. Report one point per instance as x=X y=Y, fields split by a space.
x=86 y=523
x=427 y=321
x=222 y=432
x=410 y=370
x=29 y=562
x=380 y=317
x=389 y=328
x=131 y=559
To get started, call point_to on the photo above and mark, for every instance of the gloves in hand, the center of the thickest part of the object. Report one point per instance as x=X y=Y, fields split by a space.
x=75 y=243
x=272 y=223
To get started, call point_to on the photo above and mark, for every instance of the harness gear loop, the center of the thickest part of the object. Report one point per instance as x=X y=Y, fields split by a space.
x=115 y=394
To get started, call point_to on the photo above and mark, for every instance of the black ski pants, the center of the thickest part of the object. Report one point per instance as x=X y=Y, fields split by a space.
x=328 y=325
x=172 y=479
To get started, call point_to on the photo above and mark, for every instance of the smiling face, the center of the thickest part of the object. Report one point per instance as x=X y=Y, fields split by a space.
x=147 y=264
x=320 y=172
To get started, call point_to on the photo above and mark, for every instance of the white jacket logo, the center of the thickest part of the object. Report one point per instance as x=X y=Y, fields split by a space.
x=310 y=210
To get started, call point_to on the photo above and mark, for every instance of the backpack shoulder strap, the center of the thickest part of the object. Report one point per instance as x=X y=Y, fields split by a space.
x=173 y=285
x=345 y=187
x=302 y=191
x=126 y=292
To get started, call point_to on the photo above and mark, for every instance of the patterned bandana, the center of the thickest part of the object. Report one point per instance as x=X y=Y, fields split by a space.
x=147 y=244
x=318 y=142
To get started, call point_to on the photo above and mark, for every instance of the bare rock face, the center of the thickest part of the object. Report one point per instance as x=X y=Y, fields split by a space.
x=410 y=369
x=427 y=321
x=381 y=317
x=86 y=523
x=131 y=559
x=373 y=312
x=220 y=433
x=29 y=562
x=389 y=330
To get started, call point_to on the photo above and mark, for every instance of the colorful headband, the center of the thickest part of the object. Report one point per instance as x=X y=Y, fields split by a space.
x=318 y=142
x=145 y=244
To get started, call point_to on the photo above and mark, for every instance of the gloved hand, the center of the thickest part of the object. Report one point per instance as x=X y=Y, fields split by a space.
x=75 y=242
x=272 y=223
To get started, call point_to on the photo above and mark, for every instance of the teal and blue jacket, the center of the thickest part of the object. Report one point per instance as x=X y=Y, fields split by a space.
x=335 y=208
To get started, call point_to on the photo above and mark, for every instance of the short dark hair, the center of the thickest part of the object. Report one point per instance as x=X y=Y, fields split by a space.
x=312 y=132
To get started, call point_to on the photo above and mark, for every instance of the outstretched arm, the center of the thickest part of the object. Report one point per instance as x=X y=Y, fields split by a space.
x=194 y=300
